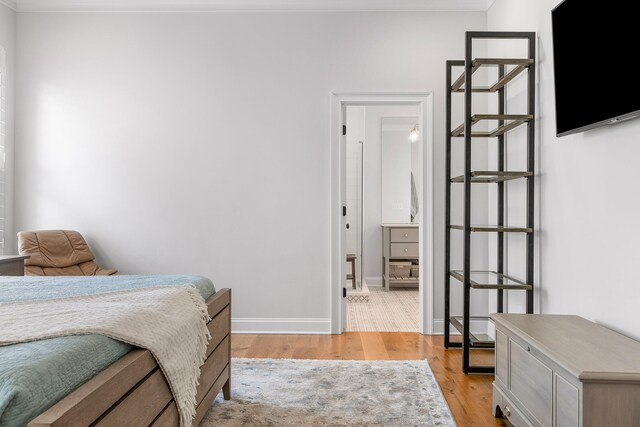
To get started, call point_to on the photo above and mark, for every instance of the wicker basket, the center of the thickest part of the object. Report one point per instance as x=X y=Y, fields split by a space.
x=400 y=269
x=415 y=271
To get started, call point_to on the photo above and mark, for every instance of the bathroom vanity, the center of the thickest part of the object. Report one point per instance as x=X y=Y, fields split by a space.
x=400 y=255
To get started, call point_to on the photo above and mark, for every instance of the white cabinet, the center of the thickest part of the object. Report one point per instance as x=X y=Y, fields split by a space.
x=561 y=370
x=400 y=249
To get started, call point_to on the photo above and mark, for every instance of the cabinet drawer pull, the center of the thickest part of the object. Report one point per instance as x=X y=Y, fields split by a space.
x=507 y=411
x=406 y=234
x=406 y=250
x=528 y=348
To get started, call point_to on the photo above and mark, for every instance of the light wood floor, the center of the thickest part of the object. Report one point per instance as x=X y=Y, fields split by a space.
x=468 y=396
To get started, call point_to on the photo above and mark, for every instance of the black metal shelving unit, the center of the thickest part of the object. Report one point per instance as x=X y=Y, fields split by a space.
x=508 y=69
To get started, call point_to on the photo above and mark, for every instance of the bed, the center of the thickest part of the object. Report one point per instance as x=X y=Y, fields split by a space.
x=94 y=380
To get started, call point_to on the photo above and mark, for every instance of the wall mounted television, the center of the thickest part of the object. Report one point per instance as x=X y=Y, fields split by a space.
x=593 y=49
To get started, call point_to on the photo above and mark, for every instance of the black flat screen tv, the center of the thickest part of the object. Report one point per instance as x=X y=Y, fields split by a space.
x=594 y=49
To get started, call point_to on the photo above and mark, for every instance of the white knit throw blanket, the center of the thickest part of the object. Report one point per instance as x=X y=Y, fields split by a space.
x=169 y=321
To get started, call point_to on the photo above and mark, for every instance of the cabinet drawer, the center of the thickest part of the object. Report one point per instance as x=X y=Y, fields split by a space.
x=399 y=235
x=406 y=250
x=532 y=383
x=566 y=411
x=502 y=357
x=508 y=409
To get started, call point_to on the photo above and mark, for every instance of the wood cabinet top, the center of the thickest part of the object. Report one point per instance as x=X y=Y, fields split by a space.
x=586 y=349
x=408 y=225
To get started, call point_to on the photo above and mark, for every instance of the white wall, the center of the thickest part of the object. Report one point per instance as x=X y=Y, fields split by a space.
x=588 y=208
x=7 y=42
x=198 y=142
x=396 y=169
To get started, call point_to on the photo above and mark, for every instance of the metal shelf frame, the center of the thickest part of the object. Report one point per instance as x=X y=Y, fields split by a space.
x=520 y=64
x=506 y=122
x=502 y=281
x=475 y=340
x=493 y=228
x=486 y=177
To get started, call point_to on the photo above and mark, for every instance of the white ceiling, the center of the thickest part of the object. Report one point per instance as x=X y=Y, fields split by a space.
x=248 y=5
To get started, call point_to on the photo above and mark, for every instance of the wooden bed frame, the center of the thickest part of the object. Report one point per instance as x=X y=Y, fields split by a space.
x=133 y=390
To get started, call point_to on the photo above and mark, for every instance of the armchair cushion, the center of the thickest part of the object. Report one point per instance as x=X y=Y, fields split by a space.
x=58 y=253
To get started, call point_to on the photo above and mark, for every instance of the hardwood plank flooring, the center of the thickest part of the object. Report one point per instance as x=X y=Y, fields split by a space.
x=468 y=396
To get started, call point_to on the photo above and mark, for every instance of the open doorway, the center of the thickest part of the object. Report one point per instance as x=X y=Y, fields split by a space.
x=383 y=183
x=382 y=210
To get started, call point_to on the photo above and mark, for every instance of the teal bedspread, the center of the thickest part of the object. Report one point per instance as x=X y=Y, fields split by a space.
x=35 y=375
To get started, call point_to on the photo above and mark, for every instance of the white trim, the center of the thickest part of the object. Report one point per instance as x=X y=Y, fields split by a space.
x=251 y=5
x=255 y=325
x=11 y=4
x=374 y=281
x=425 y=101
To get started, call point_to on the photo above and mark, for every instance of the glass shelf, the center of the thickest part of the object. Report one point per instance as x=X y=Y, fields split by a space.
x=488 y=177
x=512 y=122
x=519 y=65
x=476 y=339
x=490 y=280
x=494 y=228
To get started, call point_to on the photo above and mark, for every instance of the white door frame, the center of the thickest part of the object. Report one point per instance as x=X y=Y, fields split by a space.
x=424 y=100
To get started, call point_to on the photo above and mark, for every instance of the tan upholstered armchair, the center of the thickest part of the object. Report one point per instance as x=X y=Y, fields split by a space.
x=58 y=253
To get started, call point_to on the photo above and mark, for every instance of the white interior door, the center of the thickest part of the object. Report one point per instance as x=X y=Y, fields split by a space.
x=343 y=222
x=425 y=214
x=352 y=197
x=354 y=205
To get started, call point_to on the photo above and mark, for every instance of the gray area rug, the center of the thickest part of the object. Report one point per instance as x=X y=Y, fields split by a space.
x=285 y=392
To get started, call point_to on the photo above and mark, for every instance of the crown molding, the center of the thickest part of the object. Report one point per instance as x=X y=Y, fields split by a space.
x=248 y=5
x=11 y=4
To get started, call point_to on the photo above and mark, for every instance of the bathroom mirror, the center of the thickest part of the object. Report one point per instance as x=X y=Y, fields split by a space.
x=400 y=161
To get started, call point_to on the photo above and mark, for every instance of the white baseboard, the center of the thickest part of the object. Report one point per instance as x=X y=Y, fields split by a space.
x=253 y=325
x=477 y=327
x=373 y=281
